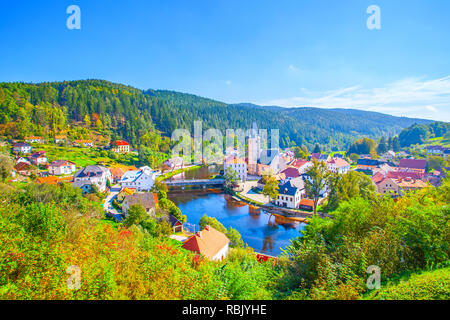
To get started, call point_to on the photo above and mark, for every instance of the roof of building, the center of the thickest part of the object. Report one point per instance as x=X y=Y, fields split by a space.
x=54 y=179
x=127 y=191
x=234 y=160
x=298 y=182
x=307 y=202
x=413 y=164
x=298 y=163
x=60 y=163
x=172 y=220
x=33 y=138
x=22 y=166
x=38 y=154
x=340 y=163
x=368 y=162
x=378 y=177
x=207 y=242
x=403 y=175
x=133 y=175
x=91 y=171
x=83 y=141
x=291 y=172
x=121 y=143
x=411 y=183
x=147 y=199
x=21 y=144
x=288 y=189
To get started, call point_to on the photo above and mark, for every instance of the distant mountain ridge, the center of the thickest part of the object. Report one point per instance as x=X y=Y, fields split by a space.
x=129 y=112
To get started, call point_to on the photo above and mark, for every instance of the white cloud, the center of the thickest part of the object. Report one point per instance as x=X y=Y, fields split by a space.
x=292 y=67
x=431 y=108
x=412 y=97
x=228 y=83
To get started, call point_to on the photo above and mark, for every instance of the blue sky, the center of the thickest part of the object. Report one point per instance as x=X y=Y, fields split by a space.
x=289 y=53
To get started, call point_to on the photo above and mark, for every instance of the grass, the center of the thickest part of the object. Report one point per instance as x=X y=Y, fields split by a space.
x=82 y=156
x=429 y=285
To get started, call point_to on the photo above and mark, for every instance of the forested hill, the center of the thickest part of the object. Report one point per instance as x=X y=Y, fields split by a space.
x=49 y=108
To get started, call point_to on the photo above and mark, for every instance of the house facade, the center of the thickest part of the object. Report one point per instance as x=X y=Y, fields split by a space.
x=238 y=165
x=413 y=165
x=120 y=146
x=210 y=243
x=338 y=165
x=60 y=167
x=141 y=180
x=93 y=175
x=367 y=164
x=289 y=195
x=22 y=147
x=38 y=158
x=34 y=139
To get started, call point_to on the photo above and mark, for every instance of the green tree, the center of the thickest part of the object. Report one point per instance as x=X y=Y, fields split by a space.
x=317 y=180
x=317 y=148
x=271 y=188
x=436 y=162
x=136 y=214
x=231 y=179
x=6 y=165
x=382 y=146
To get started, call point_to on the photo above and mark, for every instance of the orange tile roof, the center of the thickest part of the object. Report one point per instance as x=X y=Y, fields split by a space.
x=54 y=179
x=121 y=143
x=235 y=160
x=207 y=242
x=307 y=202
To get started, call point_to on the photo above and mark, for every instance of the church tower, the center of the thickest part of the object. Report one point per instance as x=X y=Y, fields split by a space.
x=254 y=150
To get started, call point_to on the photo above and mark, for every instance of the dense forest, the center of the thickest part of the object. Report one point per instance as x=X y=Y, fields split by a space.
x=117 y=110
x=420 y=133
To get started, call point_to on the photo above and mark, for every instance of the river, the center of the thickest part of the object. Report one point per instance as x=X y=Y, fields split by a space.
x=260 y=231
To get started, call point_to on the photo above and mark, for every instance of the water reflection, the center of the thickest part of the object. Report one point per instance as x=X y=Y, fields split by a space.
x=259 y=230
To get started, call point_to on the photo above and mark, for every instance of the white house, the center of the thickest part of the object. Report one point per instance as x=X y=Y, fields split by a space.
x=59 y=167
x=238 y=165
x=93 y=175
x=141 y=180
x=34 y=139
x=38 y=158
x=389 y=156
x=22 y=147
x=210 y=243
x=290 y=194
x=338 y=165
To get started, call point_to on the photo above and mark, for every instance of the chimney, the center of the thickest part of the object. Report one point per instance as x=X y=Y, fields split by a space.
x=207 y=228
x=199 y=234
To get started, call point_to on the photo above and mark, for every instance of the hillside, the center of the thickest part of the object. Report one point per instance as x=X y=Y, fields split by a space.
x=122 y=111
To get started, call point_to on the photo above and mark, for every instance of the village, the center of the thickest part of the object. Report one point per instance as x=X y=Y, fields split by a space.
x=121 y=187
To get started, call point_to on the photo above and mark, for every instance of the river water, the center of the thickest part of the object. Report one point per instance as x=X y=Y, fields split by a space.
x=260 y=231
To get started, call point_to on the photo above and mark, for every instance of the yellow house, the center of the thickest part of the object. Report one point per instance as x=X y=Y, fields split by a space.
x=125 y=192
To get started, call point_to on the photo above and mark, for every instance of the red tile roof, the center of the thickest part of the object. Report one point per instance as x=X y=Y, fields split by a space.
x=291 y=172
x=207 y=242
x=413 y=164
x=121 y=143
x=298 y=163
